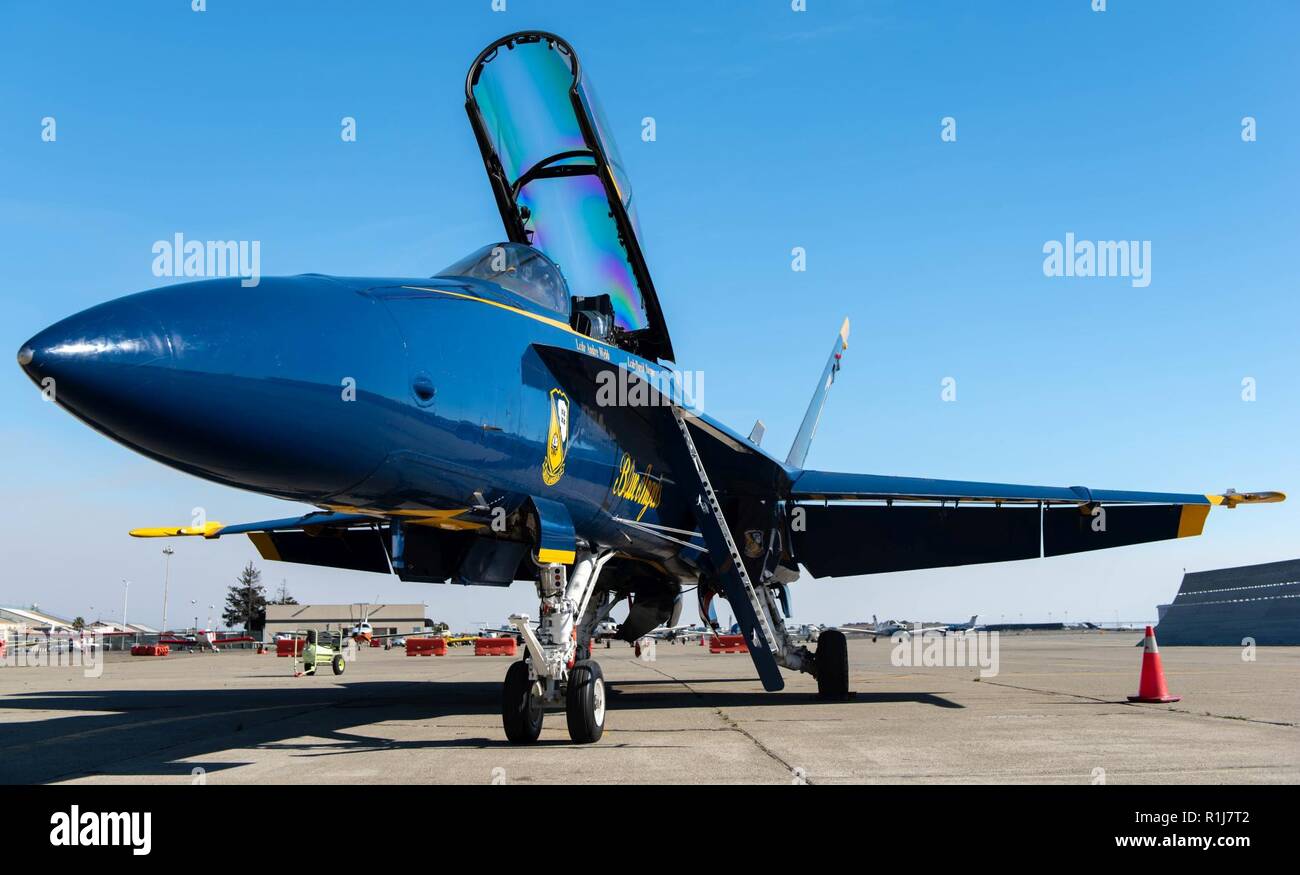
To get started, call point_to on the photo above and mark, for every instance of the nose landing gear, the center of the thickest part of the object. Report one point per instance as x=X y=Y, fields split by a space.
x=558 y=668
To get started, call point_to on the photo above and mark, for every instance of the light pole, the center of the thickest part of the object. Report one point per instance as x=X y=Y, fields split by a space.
x=194 y=606
x=126 y=591
x=167 y=567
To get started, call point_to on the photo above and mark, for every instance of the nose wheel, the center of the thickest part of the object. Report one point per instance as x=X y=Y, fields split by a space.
x=584 y=703
x=521 y=706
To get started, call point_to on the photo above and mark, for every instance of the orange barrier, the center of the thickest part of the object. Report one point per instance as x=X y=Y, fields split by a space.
x=727 y=644
x=1151 y=683
x=426 y=647
x=288 y=646
x=494 y=646
x=150 y=650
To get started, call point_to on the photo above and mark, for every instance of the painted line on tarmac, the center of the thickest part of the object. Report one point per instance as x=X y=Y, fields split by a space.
x=1139 y=705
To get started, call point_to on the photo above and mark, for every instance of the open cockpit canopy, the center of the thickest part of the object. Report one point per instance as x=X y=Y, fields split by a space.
x=558 y=179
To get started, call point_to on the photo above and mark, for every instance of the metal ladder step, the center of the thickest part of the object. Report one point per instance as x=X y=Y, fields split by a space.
x=755 y=600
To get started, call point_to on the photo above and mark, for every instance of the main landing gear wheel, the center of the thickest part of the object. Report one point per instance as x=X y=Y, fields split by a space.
x=585 y=703
x=521 y=711
x=832 y=665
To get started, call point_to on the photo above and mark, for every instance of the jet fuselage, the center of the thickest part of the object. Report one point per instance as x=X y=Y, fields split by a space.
x=377 y=394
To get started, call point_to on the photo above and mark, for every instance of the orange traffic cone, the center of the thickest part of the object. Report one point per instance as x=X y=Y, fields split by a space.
x=1151 y=686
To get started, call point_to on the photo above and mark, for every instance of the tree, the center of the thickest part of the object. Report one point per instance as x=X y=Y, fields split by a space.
x=79 y=623
x=246 y=601
x=282 y=596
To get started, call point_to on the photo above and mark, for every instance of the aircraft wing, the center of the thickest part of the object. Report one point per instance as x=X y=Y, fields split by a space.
x=558 y=179
x=216 y=529
x=867 y=524
x=335 y=540
x=423 y=633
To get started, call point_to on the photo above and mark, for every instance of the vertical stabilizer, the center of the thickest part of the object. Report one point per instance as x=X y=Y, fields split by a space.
x=802 y=440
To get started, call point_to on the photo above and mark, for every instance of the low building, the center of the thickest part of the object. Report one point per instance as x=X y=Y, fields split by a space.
x=1229 y=605
x=383 y=619
x=33 y=620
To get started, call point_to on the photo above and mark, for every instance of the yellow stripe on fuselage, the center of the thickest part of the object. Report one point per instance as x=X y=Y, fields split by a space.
x=554 y=323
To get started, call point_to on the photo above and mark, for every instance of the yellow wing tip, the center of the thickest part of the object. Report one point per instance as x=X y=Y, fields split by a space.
x=206 y=530
x=1232 y=498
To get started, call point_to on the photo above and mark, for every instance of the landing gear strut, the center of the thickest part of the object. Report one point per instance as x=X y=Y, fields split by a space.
x=558 y=668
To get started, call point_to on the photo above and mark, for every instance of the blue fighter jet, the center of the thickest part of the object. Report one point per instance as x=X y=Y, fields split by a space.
x=519 y=416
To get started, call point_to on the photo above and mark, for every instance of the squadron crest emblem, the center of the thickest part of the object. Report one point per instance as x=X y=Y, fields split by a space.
x=557 y=439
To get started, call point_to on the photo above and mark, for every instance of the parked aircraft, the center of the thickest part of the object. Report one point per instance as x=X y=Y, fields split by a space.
x=519 y=416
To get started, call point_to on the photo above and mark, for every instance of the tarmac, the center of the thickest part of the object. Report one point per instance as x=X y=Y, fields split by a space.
x=1055 y=712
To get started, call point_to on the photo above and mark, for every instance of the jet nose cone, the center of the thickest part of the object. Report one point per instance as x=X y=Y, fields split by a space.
x=98 y=356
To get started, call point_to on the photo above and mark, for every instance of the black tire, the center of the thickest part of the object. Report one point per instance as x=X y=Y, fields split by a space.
x=585 y=703
x=520 y=713
x=832 y=665
x=339 y=664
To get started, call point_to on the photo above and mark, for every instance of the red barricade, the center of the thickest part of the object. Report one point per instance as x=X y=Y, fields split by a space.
x=494 y=646
x=727 y=644
x=150 y=650
x=426 y=647
x=288 y=646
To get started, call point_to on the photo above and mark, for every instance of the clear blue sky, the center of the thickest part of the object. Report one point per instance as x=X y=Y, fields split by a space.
x=775 y=129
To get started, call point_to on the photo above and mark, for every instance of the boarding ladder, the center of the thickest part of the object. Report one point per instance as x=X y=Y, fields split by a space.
x=756 y=602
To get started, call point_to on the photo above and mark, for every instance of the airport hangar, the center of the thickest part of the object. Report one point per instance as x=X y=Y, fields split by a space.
x=1227 y=605
x=384 y=619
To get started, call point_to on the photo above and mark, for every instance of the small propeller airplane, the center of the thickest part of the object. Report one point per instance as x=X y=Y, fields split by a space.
x=890 y=628
x=516 y=417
